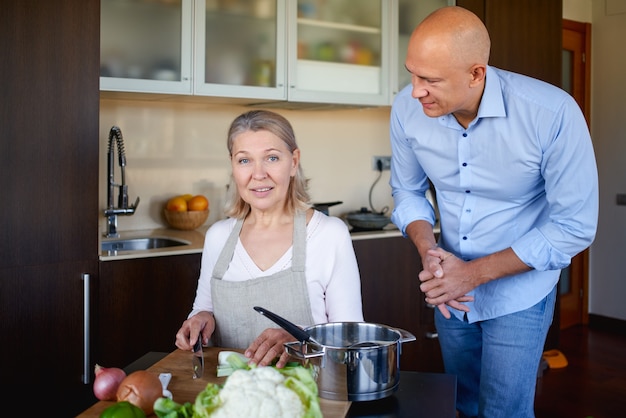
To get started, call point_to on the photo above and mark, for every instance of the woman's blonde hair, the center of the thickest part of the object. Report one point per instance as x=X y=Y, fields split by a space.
x=263 y=120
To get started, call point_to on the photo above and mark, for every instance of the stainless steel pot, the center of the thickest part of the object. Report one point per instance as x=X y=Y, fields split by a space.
x=353 y=361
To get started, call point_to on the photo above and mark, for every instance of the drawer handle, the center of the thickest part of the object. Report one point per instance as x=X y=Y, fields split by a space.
x=86 y=311
x=432 y=335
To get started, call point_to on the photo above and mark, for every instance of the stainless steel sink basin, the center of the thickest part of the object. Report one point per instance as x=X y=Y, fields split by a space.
x=139 y=244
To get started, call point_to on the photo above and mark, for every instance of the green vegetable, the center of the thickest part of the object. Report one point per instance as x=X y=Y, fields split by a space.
x=208 y=401
x=301 y=381
x=123 y=409
x=167 y=408
x=229 y=361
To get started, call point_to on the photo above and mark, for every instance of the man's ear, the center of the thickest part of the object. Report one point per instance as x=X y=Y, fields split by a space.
x=478 y=72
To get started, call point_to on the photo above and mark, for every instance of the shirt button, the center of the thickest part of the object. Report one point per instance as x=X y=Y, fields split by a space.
x=464 y=238
x=464 y=164
x=467 y=191
x=464 y=135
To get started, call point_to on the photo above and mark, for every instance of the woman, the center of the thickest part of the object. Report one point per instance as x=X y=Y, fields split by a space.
x=273 y=251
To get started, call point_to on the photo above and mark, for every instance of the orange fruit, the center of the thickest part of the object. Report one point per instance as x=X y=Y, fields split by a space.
x=176 y=204
x=186 y=196
x=198 y=202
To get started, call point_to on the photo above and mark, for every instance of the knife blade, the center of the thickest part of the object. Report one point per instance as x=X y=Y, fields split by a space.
x=197 y=361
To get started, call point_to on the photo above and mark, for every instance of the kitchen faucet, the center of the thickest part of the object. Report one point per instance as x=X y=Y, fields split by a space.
x=122 y=208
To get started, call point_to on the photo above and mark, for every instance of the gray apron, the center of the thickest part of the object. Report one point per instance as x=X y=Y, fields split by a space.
x=285 y=293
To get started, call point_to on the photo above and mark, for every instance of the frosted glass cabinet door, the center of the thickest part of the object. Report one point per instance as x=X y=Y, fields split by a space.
x=410 y=13
x=145 y=46
x=239 y=48
x=341 y=51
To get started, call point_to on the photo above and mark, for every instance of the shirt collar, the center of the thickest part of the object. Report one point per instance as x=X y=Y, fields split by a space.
x=492 y=102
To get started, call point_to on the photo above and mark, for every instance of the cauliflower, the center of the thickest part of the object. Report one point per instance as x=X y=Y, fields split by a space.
x=251 y=392
x=260 y=393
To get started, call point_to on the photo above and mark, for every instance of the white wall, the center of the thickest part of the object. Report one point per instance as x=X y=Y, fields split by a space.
x=607 y=286
x=175 y=148
x=607 y=274
x=578 y=10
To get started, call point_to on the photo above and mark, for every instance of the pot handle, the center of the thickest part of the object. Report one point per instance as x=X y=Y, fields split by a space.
x=297 y=352
x=407 y=337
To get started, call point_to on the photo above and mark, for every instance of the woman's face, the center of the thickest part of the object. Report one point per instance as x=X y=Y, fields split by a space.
x=262 y=168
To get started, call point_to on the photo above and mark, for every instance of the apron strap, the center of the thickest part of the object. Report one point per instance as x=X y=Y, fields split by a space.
x=227 y=252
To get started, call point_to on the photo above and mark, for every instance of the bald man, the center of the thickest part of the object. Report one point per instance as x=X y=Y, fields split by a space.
x=516 y=184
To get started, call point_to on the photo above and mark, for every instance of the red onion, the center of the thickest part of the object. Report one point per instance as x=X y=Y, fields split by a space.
x=107 y=382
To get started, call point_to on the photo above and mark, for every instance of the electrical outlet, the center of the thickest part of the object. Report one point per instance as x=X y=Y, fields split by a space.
x=385 y=161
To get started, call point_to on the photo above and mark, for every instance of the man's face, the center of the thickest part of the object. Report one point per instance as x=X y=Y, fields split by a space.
x=440 y=84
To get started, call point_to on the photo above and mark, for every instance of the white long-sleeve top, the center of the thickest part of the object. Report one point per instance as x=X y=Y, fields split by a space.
x=332 y=273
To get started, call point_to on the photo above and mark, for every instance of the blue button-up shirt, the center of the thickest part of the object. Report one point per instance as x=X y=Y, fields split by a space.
x=522 y=175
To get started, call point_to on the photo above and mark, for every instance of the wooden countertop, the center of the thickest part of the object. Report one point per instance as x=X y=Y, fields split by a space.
x=185 y=388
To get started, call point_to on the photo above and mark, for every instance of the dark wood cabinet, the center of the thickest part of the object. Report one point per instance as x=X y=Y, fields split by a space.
x=49 y=116
x=525 y=35
x=391 y=296
x=141 y=304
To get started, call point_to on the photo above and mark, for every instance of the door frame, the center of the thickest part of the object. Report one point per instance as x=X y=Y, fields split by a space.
x=574 y=306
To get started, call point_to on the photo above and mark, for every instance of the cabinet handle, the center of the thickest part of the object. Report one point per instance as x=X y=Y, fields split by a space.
x=430 y=305
x=432 y=335
x=86 y=363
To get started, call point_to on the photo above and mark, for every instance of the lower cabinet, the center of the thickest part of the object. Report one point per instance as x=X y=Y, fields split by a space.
x=391 y=296
x=43 y=353
x=141 y=305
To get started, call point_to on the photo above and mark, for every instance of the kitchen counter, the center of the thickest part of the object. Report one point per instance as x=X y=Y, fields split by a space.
x=194 y=237
x=196 y=241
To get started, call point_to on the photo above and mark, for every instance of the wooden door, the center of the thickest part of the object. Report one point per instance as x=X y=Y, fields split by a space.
x=573 y=287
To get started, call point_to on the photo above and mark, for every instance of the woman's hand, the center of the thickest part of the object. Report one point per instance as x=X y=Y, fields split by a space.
x=201 y=325
x=268 y=346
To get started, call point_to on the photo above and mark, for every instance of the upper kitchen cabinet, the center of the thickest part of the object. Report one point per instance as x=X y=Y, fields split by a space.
x=145 y=46
x=240 y=49
x=339 y=53
x=305 y=51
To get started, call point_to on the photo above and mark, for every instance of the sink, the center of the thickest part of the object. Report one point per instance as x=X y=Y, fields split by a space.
x=139 y=244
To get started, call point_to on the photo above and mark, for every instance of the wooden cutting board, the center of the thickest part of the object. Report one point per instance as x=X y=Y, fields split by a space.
x=185 y=388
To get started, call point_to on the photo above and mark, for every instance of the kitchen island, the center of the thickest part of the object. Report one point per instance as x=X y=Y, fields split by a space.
x=418 y=395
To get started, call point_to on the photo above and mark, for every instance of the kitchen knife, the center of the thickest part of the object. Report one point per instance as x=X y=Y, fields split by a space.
x=198 y=358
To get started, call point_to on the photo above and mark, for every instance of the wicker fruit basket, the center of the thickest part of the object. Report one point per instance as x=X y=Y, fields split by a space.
x=186 y=220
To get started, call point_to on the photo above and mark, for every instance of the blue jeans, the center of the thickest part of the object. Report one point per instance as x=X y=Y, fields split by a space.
x=496 y=360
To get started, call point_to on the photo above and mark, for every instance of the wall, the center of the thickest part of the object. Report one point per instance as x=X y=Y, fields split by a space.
x=608 y=87
x=174 y=148
x=607 y=286
x=578 y=10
